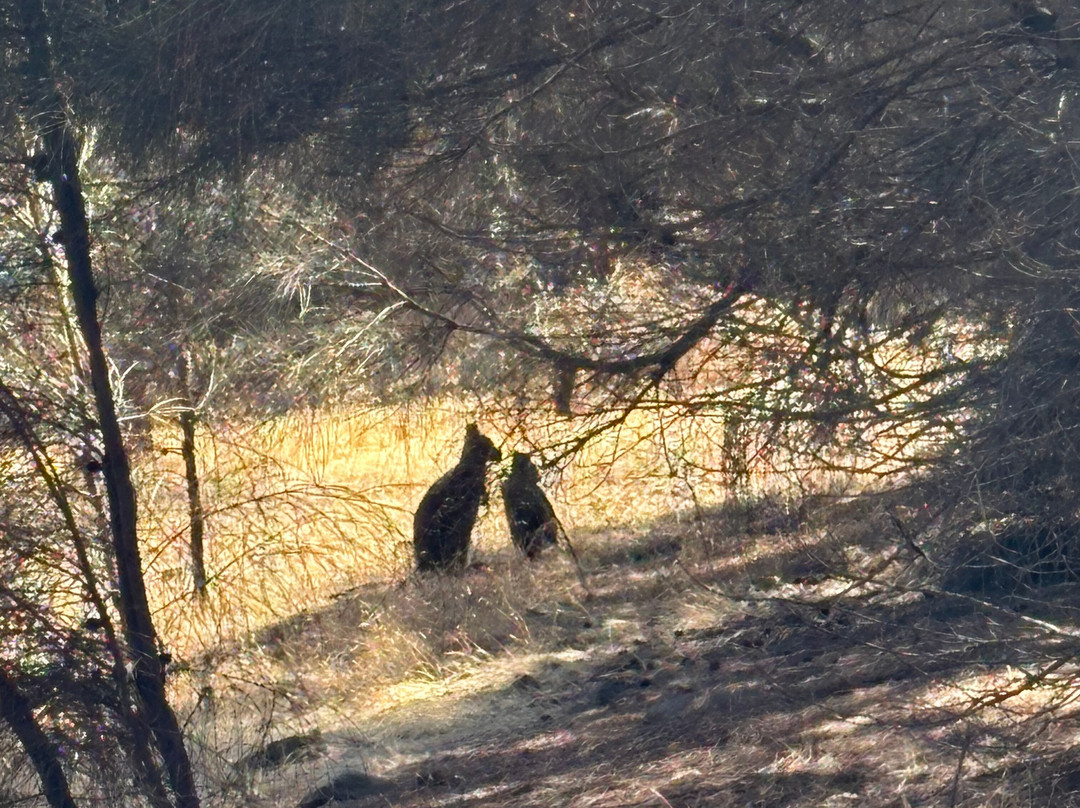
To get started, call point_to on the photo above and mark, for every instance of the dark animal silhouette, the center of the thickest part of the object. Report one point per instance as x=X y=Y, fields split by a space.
x=444 y=519
x=533 y=524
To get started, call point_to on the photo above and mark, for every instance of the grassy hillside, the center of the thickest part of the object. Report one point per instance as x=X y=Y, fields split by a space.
x=730 y=661
x=782 y=643
x=311 y=504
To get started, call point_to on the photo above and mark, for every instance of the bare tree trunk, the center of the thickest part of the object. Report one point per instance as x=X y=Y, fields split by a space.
x=18 y=714
x=147 y=766
x=196 y=518
x=148 y=672
x=58 y=164
x=736 y=463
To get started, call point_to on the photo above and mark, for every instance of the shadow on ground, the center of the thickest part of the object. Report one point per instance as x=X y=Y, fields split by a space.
x=782 y=668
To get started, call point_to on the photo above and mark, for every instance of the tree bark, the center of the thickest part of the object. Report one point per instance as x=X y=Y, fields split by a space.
x=57 y=164
x=196 y=519
x=18 y=714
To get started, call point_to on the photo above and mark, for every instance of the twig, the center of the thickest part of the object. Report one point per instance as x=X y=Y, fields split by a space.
x=954 y=793
x=660 y=797
x=574 y=557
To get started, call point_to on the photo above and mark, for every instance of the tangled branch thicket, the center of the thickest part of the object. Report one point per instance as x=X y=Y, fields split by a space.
x=803 y=241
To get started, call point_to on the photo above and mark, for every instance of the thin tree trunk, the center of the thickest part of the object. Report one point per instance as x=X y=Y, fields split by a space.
x=148 y=672
x=196 y=519
x=147 y=767
x=18 y=714
x=59 y=166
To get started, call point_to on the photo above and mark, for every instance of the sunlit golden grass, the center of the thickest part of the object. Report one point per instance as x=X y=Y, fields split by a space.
x=376 y=652
x=311 y=503
x=305 y=506
x=426 y=662
x=313 y=622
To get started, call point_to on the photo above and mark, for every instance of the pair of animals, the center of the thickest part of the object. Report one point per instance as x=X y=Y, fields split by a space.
x=444 y=519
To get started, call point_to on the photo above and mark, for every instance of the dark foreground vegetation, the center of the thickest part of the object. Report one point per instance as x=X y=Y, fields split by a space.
x=838 y=234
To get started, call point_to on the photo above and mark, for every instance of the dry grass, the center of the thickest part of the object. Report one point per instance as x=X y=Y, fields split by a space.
x=733 y=651
x=715 y=664
x=310 y=504
x=380 y=651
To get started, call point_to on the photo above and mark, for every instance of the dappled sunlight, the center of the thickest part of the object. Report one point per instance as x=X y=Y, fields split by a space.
x=727 y=678
x=766 y=291
x=311 y=503
x=1004 y=694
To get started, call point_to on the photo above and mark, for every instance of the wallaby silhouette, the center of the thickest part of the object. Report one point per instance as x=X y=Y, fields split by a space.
x=444 y=519
x=533 y=524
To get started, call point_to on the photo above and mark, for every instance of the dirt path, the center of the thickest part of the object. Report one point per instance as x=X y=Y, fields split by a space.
x=660 y=693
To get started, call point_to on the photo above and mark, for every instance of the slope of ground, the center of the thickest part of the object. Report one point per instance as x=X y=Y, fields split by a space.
x=784 y=665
